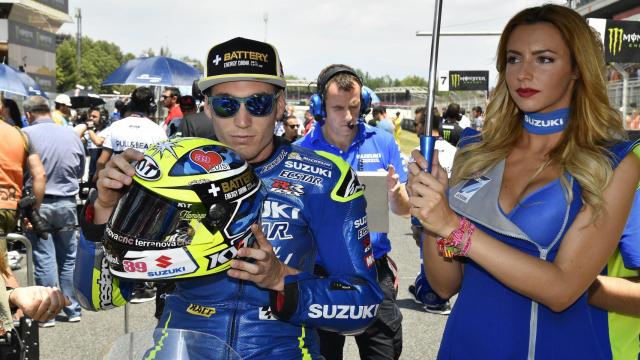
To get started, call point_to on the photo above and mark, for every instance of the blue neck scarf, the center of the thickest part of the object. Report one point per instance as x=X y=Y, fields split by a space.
x=546 y=123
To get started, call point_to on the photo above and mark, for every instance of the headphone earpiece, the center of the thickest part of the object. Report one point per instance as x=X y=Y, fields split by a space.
x=316 y=107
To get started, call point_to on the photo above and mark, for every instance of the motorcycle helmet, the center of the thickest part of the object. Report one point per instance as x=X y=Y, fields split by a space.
x=187 y=212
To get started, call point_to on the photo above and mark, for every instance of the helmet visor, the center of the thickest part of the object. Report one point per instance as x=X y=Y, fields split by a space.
x=144 y=221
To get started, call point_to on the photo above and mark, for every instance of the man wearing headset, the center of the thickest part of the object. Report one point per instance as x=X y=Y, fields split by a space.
x=270 y=306
x=339 y=107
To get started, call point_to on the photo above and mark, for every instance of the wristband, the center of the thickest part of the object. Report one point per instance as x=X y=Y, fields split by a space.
x=459 y=240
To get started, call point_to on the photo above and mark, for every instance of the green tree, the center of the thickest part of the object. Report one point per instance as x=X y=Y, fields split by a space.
x=148 y=53
x=164 y=51
x=414 y=80
x=98 y=60
x=193 y=62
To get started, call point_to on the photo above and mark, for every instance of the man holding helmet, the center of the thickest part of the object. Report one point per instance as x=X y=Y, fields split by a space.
x=313 y=205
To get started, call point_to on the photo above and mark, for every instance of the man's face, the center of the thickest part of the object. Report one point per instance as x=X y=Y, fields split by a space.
x=248 y=135
x=291 y=126
x=95 y=117
x=343 y=109
x=167 y=99
x=65 y=110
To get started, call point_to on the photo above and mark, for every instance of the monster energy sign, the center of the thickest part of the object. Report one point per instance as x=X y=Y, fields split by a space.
x=468 y=80
x=622 y=41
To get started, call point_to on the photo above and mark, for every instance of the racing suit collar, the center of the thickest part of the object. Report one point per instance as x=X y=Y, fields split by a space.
x=277 y=143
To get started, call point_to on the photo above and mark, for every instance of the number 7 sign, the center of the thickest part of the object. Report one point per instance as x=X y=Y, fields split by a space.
x=443 y=80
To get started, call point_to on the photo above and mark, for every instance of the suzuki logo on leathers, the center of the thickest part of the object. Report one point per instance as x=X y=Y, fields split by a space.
x=342 y=311
x=307 y=168
x=275 y=210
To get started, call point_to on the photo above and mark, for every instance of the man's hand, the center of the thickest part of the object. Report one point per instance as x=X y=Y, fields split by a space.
x=267 y=271
x=117 y=174
x=40 y=303
x=393 y=180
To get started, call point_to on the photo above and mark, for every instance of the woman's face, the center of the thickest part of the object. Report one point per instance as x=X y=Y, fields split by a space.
x=539 y=74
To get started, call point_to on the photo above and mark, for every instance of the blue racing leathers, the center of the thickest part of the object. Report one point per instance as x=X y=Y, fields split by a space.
x=314 y=208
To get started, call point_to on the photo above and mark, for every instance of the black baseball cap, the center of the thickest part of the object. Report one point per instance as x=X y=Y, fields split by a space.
x=242 y=59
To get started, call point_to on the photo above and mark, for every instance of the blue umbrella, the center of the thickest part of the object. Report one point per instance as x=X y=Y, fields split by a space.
x=11 y=82
x=33 y=88
x=375 y=100
x=157 y=71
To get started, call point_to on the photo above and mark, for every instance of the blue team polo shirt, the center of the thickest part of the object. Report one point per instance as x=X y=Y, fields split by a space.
x=372 y=149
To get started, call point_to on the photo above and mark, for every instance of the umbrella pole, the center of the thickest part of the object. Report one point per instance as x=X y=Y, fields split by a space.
x=427 y=141
x=158 y=93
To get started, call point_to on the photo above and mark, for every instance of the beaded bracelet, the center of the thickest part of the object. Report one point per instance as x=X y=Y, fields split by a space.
x=459 y=241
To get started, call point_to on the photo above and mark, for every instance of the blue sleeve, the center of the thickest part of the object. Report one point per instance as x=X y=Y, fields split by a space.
x=347 y=299
x=630 y=241
x=94 y=286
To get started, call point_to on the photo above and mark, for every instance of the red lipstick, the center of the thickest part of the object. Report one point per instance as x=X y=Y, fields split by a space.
x=526 y=92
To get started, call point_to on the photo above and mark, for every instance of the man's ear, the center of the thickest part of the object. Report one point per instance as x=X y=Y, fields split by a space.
x=281 y=104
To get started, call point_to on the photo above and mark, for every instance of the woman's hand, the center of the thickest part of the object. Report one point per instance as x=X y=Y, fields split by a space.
x=428 y=198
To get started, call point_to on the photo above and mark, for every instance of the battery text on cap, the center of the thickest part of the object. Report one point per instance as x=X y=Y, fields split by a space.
x=245 y=55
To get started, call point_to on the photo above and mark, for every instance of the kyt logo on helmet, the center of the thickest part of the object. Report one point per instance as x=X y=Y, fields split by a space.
x=192 y=200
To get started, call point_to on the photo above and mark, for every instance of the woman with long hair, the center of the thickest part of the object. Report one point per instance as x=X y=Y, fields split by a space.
x=536 y=202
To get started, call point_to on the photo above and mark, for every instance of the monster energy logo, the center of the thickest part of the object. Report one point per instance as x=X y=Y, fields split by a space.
x=617 y=37
x=615 y=40
x=446 y=134
x=455 y=80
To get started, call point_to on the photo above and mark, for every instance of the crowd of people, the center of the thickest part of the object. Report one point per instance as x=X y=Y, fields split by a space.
x=529 y=214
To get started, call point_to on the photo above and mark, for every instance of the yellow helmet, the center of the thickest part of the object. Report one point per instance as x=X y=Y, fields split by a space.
x=188 y=211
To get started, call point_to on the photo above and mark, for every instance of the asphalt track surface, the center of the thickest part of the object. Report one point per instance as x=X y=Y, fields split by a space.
x=92 y=337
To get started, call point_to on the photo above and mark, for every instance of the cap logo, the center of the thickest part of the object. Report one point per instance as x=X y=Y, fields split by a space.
x=245 y=55
x=208 y=160
x=217 y=59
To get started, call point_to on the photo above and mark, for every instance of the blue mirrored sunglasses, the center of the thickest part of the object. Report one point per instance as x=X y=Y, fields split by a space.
x=257 y=104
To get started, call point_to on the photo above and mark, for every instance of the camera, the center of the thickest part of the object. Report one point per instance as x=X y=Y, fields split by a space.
x=40 y=225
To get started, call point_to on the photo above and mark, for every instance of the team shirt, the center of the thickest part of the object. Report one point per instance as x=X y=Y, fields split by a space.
x=135 y=132
x=372 y=149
